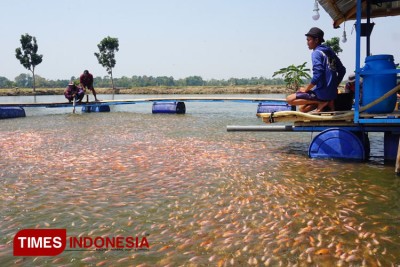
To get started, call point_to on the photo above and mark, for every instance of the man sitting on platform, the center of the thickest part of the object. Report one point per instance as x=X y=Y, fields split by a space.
x=328 y=73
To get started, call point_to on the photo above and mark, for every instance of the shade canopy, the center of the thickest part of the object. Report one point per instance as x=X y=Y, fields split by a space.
x=343 y=10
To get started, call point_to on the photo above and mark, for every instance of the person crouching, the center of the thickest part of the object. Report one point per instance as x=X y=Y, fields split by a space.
x=72 y=91
x=328 y=72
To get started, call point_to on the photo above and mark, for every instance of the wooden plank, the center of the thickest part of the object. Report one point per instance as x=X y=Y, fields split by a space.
x=281 y=119
x=329 y=113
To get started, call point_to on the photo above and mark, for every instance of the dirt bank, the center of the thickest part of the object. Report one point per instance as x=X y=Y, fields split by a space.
x=280 y=89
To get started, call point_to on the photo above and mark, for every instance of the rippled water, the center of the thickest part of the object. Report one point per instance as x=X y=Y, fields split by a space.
x=201 y=195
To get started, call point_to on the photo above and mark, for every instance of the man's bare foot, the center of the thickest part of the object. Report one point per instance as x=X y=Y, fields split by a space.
x=322 y=106
x=307 y=108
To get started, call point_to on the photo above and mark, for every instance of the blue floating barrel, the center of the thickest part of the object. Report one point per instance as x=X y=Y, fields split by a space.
x=376 y=85
x=169 y=107
x=338 y=143
x=96 y=108
x=391 y=143
x=11 y=112
x=268 y=107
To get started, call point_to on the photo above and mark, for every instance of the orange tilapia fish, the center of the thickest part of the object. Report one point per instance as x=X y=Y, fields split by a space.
x=322 y=251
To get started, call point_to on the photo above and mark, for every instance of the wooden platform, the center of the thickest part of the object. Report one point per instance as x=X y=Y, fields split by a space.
x=334 y=118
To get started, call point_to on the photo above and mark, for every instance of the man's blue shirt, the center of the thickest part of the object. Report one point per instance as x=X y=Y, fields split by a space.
x=326 y=80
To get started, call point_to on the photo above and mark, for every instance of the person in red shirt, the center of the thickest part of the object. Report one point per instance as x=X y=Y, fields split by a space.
x=86 y=80
x=72 y=91
x=350 y=85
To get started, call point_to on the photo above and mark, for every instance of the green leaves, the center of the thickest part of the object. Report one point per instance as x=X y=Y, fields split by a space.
x=334 y=44
x=27 y=54
x=293 y=75
x=106 y=56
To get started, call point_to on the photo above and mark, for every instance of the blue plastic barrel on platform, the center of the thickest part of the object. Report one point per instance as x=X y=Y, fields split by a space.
x=169 y=107
x=268 y=107
x=338 y=143
x=11 y=112
x=96 y=108
x=376 y=85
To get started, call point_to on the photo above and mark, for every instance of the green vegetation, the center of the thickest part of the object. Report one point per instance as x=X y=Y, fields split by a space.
x=334 y=44
x=158 y=90
x=27 y=55
x=106 y=56
x=294 y=75
x=25 y=81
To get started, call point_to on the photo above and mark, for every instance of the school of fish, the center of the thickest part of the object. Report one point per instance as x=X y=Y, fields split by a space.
x=201 y=196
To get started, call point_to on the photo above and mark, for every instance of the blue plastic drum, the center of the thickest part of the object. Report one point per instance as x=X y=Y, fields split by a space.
x=96 y=108
x=268 y=107
x=11 y=112
x=376 y=85
x=391 y=144
x=169 y=107
x=338 y=144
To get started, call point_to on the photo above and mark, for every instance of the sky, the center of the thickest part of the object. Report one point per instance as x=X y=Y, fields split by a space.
x=214 y=39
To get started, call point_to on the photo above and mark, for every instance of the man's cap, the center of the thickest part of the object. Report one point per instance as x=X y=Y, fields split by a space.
x=86 y=71
x=316 y=33
x=352 y=78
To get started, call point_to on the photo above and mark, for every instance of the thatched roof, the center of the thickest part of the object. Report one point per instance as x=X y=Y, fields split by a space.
x=343 y=10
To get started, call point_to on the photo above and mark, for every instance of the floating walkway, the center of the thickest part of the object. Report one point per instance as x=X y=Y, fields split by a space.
x=144 y=100
x=172 y=105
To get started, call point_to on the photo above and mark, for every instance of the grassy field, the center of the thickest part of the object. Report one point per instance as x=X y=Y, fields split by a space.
x=260 y=89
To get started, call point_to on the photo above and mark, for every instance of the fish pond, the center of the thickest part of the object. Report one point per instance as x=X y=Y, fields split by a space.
x=199 y=195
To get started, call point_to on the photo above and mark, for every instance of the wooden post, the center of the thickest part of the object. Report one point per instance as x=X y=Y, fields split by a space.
x=74 y=104
x=397 y=169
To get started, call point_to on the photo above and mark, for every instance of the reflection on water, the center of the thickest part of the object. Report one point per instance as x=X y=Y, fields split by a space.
x=201 y=195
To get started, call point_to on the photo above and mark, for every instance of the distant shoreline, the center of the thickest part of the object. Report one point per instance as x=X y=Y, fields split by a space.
x=256 y=89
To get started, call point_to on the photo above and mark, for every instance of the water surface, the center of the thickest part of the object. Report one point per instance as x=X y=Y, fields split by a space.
x=201 y=195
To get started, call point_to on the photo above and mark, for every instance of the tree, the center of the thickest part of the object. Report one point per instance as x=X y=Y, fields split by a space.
x=4 y=82
x=41 y=82
x=27 y=55
x=23 y=80
x=194 y=81
x=334 y=44
x=293 y=75
x=107 y=47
